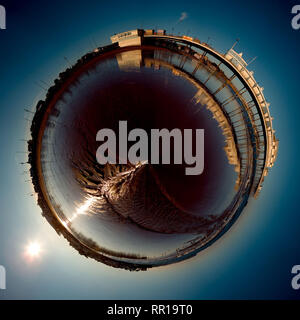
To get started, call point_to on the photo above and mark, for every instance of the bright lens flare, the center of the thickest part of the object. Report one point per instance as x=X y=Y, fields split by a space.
x=82 y=210
x=86 y=205
x=33 y=249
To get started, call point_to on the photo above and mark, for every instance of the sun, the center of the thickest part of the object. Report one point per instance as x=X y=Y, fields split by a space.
x=33 y=249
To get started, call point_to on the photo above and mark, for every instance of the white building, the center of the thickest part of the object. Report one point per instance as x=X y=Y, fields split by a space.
x=128 y=38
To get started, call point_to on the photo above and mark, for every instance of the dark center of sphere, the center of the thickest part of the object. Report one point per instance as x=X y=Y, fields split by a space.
x=147 y=98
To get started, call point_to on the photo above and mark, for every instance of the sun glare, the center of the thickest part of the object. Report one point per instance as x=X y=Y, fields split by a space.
x=33 y=249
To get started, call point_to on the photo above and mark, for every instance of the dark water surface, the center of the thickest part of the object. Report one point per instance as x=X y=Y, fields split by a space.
x=163 y=208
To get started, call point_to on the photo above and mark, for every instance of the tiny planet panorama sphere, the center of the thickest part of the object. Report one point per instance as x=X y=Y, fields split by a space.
x=138 y=215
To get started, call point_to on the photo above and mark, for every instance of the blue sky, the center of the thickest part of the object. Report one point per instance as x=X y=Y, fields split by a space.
x=254 y=259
